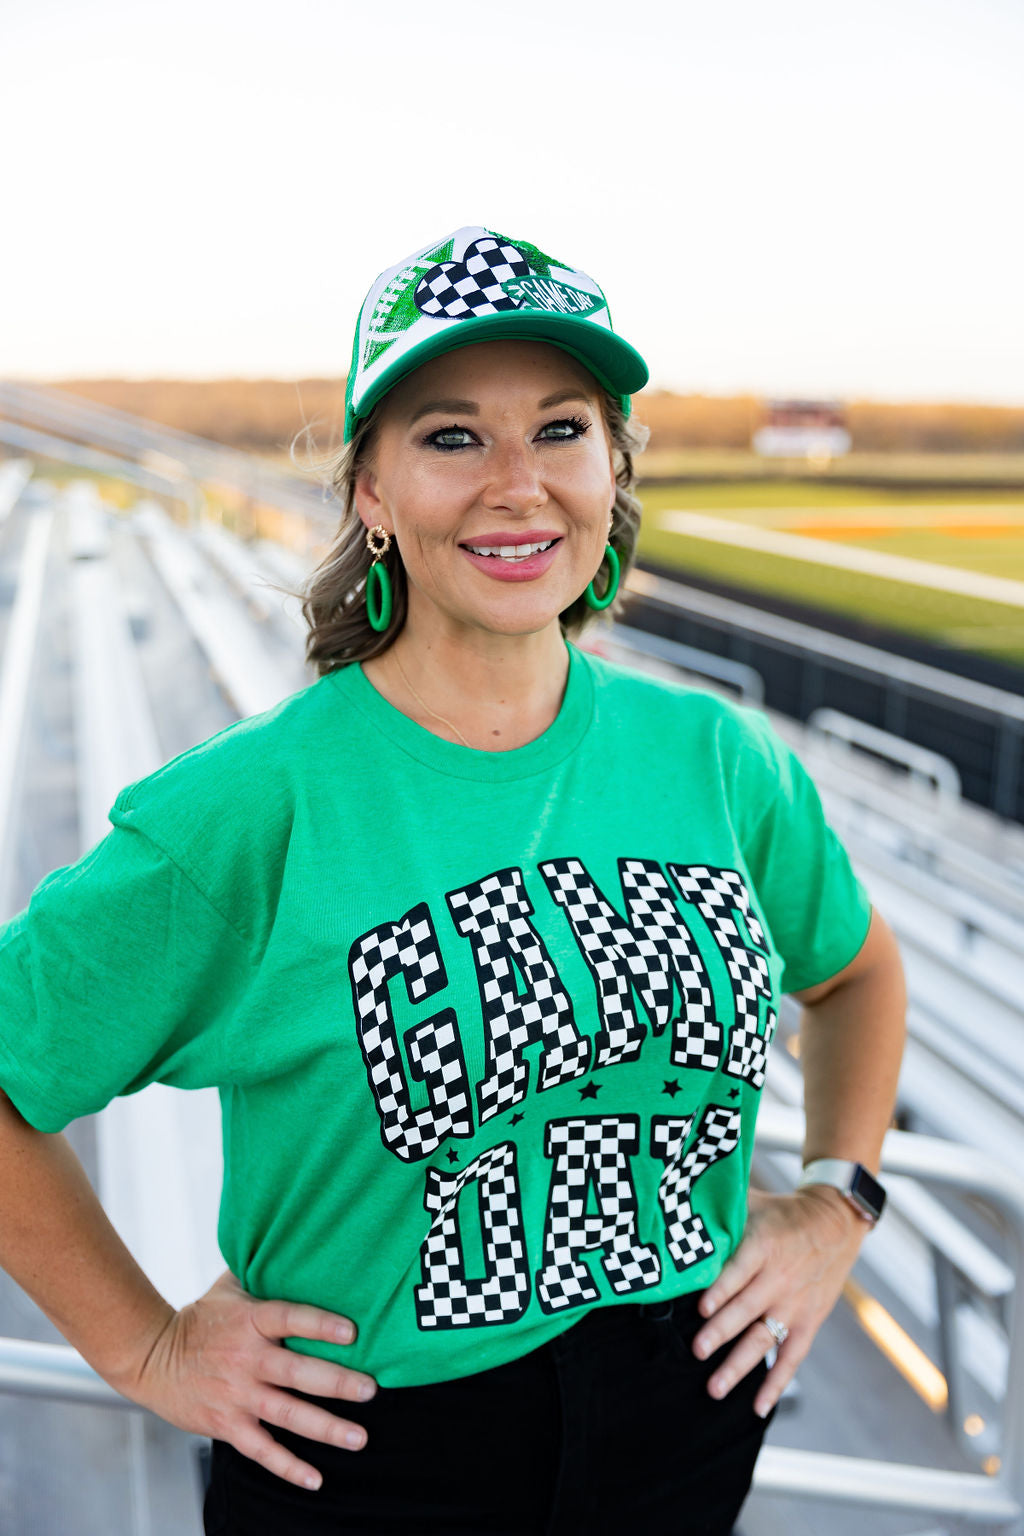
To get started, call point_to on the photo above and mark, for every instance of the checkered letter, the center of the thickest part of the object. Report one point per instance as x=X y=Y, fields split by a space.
x=651 y=954
x=686 y=1236
x=446 y=1299
x=494 y=914
x=719 y=895
x=409 y=948
x=591 y=1160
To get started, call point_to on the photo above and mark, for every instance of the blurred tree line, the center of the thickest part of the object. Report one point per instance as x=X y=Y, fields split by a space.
x=267 y=414
x=719 y=421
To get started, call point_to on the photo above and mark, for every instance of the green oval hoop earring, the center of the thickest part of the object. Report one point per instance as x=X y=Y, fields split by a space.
x=378 y=580
x=614 y=569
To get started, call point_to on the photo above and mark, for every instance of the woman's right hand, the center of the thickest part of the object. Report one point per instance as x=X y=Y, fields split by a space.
x=218 y=1367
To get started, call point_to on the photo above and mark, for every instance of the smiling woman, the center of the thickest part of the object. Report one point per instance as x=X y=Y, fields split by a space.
x=339 y=632
x=468 y=455
x=482 y=940
x=502 y=507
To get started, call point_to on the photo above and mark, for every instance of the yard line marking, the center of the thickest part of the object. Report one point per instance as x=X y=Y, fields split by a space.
x=869 y=562
x=904 y=514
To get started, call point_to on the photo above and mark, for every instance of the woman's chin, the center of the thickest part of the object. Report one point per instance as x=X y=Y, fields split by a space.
x=513 y=626
x=510 y=611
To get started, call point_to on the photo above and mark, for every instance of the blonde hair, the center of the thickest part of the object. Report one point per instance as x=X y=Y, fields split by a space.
x=333 y=597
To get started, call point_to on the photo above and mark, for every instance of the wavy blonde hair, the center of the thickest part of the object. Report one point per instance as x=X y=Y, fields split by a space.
x=333 y=597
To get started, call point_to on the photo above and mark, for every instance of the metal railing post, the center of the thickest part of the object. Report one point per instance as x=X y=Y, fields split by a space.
x=976 y=1498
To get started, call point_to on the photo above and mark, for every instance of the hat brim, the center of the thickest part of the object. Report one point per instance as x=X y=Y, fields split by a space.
x=613 y=362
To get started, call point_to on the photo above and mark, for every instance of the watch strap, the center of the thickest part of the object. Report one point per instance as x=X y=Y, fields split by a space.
x=852 y=1179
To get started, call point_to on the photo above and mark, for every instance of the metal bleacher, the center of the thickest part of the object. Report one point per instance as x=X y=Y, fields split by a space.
x=948 y=878
x=125 y=637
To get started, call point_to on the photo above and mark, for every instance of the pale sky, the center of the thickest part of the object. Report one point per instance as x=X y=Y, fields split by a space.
x=790 y=197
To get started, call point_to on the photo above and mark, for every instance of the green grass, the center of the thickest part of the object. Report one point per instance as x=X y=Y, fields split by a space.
x=925 y=468
x=973 y=624
x=748 y=495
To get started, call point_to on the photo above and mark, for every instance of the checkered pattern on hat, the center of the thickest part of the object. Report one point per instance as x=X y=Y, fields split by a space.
x=592 y=1153
x=494 y=914
x=456 y=289
x=447 y=1299
x=426 y=304
x=718 y=894
x=409 y=948
x=686 y=1235
x=652 y=952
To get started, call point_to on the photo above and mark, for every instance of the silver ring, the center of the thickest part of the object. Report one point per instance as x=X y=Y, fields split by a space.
x=778 y=1331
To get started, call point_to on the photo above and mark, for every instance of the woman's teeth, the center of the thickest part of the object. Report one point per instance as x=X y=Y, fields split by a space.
x=514 y=552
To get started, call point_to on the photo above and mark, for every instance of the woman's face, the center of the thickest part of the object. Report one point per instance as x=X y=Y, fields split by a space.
x=493 y=471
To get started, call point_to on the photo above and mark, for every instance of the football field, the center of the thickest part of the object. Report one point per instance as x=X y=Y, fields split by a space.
x=947 y=565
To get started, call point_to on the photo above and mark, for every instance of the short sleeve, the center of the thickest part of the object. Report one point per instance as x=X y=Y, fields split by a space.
x=118 y=973
x=816 y=908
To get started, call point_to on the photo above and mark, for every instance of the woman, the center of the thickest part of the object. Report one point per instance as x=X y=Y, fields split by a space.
x=481 y=940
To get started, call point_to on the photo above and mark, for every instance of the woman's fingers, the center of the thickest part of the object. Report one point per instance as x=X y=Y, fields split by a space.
x=256 y=1443
x=221 y=1369
x=741 y=1320
x=790 y=1357
x=790 y=1264
x=300 y=1418
x=309 y=1421
x=296 y=1320
x=749 y=1351
x=736 y=1274
x=320 y=1378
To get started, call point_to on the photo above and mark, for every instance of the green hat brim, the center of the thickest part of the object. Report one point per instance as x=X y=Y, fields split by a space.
x=613 y=362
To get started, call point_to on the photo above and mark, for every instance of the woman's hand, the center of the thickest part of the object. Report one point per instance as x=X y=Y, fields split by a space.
x=796 y=1252
x=218 y=1367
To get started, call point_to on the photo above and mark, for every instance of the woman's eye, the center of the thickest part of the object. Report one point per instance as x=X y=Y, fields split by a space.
x=566 y=430
x=448 y=438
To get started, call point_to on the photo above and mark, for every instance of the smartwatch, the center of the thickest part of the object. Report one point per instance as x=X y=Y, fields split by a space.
x=853 y=1180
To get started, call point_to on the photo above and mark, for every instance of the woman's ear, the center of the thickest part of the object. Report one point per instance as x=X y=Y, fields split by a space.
x=368 y=502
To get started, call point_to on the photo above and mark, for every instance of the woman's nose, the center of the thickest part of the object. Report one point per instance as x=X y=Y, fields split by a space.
x=514 y=480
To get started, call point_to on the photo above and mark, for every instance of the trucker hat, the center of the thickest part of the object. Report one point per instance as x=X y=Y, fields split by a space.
x=477 y=285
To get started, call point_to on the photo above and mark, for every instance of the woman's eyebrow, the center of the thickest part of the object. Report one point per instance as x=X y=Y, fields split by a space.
x=470 y=407
x=463 y=407
x=563 y=395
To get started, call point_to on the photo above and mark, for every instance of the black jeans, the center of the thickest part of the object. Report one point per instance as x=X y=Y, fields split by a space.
x=606 y=1429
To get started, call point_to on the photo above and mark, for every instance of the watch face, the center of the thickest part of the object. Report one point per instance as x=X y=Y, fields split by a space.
x=867 y=1191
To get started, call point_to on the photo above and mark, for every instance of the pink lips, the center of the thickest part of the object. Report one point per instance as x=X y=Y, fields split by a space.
x=521 y=570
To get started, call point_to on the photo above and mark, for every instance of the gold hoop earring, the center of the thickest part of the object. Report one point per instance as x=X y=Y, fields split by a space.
x=378 y=541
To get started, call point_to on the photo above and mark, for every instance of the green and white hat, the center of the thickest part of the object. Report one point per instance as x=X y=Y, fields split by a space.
x=478 y=285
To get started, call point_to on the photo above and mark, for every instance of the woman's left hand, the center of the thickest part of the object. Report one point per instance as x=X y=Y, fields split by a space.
x=795 y=1255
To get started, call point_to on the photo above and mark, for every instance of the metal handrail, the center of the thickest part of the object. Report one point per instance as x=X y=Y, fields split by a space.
x=56 y=1371
x=974 y=1497
x=44 y=446
x=747 y=681
x=76 y=420
x=53 y=1370
x=855 y=654
x=923 y=765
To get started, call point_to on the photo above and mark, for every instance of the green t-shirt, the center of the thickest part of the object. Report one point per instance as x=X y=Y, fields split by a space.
x=489 y=1029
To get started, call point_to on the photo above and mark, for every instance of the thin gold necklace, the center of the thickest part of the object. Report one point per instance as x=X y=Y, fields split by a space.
x=424 y=705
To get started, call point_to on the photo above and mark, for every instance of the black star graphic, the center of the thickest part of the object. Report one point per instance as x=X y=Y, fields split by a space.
x=590 y=1091
x=453 y=1156
x=671 y=1088
x=517 y=1117
x=734 y=1093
